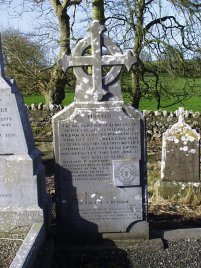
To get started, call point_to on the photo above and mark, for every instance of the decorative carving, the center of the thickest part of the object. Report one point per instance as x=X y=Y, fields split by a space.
x=97 y=40
x=180 y=113
x=126 y=172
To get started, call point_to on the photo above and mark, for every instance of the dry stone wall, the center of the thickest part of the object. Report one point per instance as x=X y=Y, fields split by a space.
x=157 y=122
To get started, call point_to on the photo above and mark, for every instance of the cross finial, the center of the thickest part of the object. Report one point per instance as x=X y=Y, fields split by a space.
x=180 y=113
x=96 y=60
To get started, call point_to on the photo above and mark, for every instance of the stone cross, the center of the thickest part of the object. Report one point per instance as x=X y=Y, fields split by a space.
x=180 y=113
x=97 y=60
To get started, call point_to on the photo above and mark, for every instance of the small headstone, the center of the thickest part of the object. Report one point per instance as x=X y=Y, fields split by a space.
x=22 y=186
x=99 y=149
x=180 y=152
x=180 y=162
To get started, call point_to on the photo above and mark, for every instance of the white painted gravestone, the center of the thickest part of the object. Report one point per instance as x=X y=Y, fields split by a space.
x=99 y=149
x=22 y=185
x=180 y=165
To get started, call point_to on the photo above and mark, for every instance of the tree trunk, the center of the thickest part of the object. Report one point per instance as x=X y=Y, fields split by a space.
x=138 y=45
x=56 y=85
x=58 y=80
x=135 y=84
x=98 y=11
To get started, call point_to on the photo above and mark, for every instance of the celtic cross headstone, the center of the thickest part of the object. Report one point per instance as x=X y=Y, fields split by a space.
x=97 y=84
x=99 y=148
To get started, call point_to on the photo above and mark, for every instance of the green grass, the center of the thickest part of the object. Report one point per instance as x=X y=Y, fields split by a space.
x=192 y=87
x=69 y=96
x=36 y=99
x=193 y=103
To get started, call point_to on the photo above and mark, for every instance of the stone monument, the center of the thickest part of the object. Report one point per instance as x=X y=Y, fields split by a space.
x=99 y=149
x=180 y=164
x=23 y=198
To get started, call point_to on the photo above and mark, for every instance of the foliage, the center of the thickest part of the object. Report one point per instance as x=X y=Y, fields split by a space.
x=24 y=61
x=163 y=35
x=167 y=30
x=53 y=18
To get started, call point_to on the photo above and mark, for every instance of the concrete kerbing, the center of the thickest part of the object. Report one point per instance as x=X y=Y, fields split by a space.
x=27 y=252
x=182 y=234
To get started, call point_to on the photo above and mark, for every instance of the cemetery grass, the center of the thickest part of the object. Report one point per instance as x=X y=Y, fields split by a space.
x=191 y=104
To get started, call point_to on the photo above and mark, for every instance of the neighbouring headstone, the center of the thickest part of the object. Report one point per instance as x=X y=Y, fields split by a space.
x=100 y=149
x=23 y=198
x=180 y=164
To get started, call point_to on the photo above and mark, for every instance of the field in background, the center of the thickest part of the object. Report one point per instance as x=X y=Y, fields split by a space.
x=194 y=103
x=192 y=85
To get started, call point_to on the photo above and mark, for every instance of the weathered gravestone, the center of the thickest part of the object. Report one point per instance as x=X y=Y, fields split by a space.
x=99 y=149
x=180 y=164
x=22 y=186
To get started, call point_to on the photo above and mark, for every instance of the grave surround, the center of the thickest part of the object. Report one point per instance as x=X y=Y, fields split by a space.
x=99 y=149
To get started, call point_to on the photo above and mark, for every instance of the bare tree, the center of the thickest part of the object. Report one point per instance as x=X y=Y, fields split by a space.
x=145 y=26
x=25 y=62
x=156 y=27
x=53 y=89
x=58 y=80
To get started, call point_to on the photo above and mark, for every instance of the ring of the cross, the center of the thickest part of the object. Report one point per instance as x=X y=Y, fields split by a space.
x=111 y=47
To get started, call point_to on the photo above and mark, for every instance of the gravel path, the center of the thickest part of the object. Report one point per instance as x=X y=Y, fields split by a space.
x=8 y=251
x=127 y=254
x=9 y=245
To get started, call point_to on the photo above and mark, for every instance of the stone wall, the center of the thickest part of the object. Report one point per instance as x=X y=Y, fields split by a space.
x=159 y=121
x=156 y=123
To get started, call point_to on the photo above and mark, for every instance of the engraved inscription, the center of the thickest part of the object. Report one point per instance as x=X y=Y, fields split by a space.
x=7 y=124
x=5 y=195
x=112 y=209
x=3 y=110
x=109 y=207
x=87 y=149
x=119 y=212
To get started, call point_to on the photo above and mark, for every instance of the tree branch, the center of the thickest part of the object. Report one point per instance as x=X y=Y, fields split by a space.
x=66 y=4
x=149 y=2
x=159 y=20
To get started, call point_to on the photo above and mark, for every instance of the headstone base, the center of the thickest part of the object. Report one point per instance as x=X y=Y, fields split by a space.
x=178 y=190
x=138 y=231
x=22 y=207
